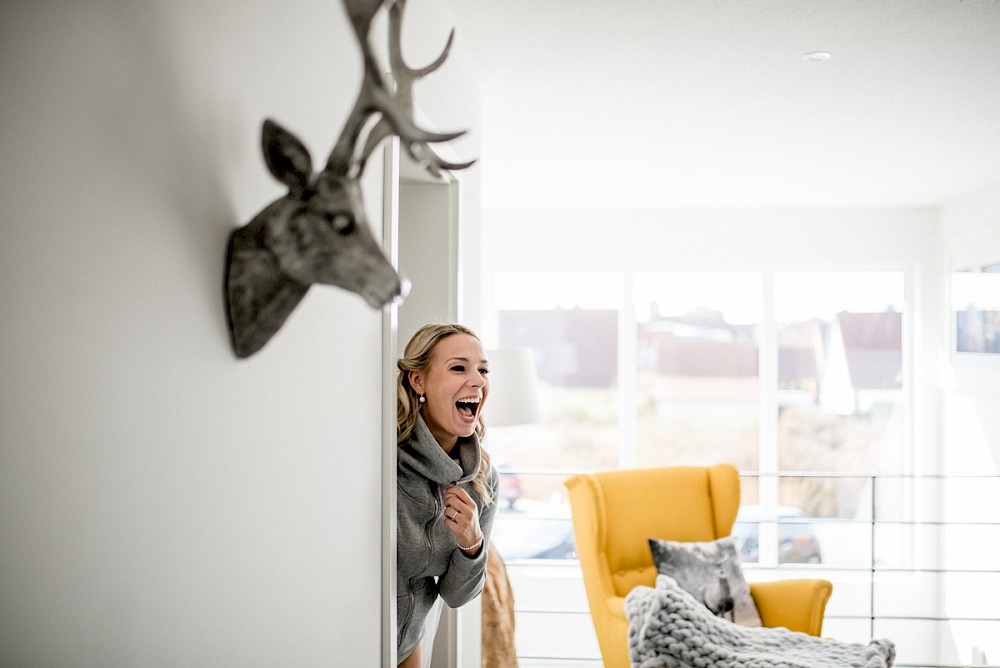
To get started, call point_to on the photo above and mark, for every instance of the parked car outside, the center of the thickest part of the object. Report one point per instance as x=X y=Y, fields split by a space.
x=534 y=530
x=510 y=485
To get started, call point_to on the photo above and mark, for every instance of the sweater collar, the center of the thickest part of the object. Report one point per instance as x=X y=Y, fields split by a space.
x=429 y=459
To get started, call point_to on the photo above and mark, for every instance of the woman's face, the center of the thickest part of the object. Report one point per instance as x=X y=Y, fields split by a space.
x=455 y=387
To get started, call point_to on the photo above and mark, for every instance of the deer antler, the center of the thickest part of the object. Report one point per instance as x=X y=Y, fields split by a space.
x=395 y=108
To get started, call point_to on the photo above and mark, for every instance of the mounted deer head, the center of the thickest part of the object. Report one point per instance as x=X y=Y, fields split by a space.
x=318 y=231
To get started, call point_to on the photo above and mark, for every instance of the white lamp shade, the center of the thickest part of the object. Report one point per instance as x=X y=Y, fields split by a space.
x=513 y=398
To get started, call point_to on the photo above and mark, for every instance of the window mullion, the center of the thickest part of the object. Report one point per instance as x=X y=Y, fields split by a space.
x=767 y=448
x=628 y=372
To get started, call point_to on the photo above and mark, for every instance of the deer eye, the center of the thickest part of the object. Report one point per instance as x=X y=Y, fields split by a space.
x=341 y=223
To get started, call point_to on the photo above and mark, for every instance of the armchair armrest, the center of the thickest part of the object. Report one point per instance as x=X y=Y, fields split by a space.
x=616 y=606
x=797 y=605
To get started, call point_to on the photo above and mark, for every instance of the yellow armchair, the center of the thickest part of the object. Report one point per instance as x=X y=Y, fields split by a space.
x=616 y=512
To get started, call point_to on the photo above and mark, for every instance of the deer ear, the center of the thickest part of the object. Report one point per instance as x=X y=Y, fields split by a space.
x=286 y=156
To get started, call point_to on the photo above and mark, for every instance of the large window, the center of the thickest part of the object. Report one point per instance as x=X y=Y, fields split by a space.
x=839 y=396
x=697 y=380
x=796 y=378
x=569 y=320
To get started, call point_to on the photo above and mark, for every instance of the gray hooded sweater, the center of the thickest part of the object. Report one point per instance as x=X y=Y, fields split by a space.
x=428 y=561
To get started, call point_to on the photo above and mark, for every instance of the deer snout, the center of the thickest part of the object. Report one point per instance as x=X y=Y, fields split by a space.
x=404 y=289
x=377 y=296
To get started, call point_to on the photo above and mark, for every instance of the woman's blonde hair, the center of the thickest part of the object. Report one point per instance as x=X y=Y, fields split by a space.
x=417 y=357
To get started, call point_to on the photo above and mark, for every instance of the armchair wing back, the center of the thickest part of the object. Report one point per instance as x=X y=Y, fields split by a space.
x=616 y=512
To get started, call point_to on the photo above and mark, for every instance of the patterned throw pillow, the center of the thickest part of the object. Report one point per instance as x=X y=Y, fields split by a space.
x=711 y=573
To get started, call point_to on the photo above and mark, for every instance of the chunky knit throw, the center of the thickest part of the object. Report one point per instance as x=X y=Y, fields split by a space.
x=669 y=628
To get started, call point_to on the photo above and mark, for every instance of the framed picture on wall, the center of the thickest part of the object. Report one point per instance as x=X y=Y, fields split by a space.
x=975 y=299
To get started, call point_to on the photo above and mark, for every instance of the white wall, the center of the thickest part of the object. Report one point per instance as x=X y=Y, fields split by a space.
x=162 y=503
x=970 y=443
x=754 y=238
x=428 y=255
x=970 y=230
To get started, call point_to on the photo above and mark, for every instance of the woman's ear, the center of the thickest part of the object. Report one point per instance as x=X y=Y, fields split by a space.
x=417 y=382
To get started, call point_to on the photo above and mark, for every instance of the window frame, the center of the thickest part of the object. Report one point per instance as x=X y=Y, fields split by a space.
x=768 y=473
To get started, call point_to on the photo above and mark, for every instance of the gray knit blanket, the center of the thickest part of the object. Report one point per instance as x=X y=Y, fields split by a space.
x=670 y=628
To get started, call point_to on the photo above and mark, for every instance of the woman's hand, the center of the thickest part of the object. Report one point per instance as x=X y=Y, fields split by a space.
x=461 y=516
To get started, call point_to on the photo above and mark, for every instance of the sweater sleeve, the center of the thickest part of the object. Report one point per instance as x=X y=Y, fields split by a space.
x=466 y=575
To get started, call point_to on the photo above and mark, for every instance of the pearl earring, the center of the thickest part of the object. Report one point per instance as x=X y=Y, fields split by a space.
x=422 y=399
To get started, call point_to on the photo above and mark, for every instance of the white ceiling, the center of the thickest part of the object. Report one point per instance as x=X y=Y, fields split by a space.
x=709 y=103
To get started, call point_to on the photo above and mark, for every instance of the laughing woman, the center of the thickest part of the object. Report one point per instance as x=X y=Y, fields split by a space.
x=447 y=488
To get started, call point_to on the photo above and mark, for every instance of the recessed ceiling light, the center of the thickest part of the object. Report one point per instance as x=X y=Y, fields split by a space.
x=816 y=56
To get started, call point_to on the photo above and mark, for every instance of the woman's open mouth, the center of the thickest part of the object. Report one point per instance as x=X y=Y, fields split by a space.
x=468 y=408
